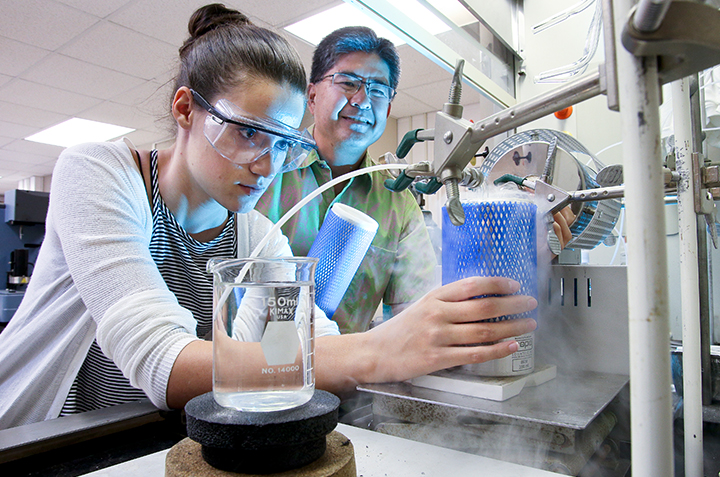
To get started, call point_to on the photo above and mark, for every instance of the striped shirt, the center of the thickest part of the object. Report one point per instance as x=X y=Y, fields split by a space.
x=181 y=261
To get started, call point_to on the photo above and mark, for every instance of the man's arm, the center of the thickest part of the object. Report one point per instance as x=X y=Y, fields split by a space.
x=415 y=262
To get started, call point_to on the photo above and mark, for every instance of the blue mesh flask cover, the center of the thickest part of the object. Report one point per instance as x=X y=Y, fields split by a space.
x=497 y=240
x=340 y=245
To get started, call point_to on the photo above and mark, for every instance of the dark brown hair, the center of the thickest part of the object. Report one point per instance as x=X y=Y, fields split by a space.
x=225 y=49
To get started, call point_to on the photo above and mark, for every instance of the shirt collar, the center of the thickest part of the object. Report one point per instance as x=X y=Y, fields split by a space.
x=367 y=160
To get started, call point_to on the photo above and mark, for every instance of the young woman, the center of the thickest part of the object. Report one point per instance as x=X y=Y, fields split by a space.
x=119 y=296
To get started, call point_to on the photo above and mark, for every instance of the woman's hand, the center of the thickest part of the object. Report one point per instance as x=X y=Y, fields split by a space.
x=441 y=330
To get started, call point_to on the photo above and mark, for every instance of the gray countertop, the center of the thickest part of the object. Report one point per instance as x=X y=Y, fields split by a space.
x=375 y=455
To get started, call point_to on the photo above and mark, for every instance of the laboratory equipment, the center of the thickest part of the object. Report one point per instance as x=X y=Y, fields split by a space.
x=17 y=276
x=340 y=246
x=263 y=414
x=25 y=207
x=598 y=306
x=557 y=159
x=489 y=415
x=498 y=239
x=579 y=66
x=301 y=440
x=267 y=303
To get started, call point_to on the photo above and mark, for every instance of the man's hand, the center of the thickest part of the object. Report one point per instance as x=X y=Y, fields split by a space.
x=561 y=225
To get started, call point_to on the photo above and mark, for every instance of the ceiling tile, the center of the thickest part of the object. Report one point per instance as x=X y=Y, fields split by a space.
x=49 y=151
x=40 y=169
x=167 y=20
x=416 y=69
x=18 y=57
x=119 y=114
x=25 y=157
x=164 y=20
x=436 y=94
x=167 y=77
x=150 y=98
x=18 y=170
x=81 y=77
x=140 y=55
x=99 y=8
x=33 y=118
x=9 y=177
x=28 y=93
x=43 y=23
x=405 y=105
x=284 y=13
x=16 y=130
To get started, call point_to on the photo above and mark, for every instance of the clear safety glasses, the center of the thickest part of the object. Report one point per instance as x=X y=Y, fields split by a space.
x=350 y=84
x=242 y=138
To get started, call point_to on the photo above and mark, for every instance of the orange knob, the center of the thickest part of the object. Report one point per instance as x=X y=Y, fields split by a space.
x=564 y=113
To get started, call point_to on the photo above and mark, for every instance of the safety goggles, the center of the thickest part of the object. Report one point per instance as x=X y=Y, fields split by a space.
x=242 y=138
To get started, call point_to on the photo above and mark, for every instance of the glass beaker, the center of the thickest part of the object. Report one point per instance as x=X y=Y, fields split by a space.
x=263 y=332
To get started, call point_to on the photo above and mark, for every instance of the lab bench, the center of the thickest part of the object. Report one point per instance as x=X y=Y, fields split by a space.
x=375 y=455
x=133 y=440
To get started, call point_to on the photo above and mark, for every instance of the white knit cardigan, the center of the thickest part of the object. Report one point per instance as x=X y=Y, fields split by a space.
x=95 y=278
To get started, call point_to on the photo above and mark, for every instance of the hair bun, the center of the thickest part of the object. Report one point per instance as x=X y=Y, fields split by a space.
x=211 y=16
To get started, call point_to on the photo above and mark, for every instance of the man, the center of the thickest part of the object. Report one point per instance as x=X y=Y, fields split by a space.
x=352 y=83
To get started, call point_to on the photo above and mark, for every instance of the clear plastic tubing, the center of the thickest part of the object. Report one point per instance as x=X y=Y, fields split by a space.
x=316 y=193
x=562 y=16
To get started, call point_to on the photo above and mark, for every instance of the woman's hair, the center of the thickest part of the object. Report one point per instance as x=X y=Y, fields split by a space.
x=349 y=40
x=225 y=49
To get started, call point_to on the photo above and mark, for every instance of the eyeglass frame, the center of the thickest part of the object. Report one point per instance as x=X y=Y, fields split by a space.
x=364 y=82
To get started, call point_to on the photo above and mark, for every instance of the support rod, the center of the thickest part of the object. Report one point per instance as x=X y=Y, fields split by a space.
x=569 y=94
x=648 y=310
x=689 y=281
x=703 y=256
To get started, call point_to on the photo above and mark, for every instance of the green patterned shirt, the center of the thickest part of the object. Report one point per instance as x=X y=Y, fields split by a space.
x=399 y=265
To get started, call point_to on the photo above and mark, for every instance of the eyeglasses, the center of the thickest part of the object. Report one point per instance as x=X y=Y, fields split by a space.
x=242 y=138
x=350 y=84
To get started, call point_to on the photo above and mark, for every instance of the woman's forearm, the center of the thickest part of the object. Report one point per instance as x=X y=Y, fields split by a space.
x=442 y=330
x=191 y=374
x=342 y=362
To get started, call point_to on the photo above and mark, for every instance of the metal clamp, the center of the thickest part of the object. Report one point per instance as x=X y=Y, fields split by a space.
x=704 y=203
x=552 y=199
x=687 y=41
x=407 y=176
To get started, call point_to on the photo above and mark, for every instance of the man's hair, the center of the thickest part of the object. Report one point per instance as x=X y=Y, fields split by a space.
x=350 y=40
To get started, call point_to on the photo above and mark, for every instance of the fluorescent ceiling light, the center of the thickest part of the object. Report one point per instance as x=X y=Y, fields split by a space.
x=315 y=28
x=77 y=131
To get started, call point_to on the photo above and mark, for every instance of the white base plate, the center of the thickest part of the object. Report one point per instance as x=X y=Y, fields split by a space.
x=496 y=389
